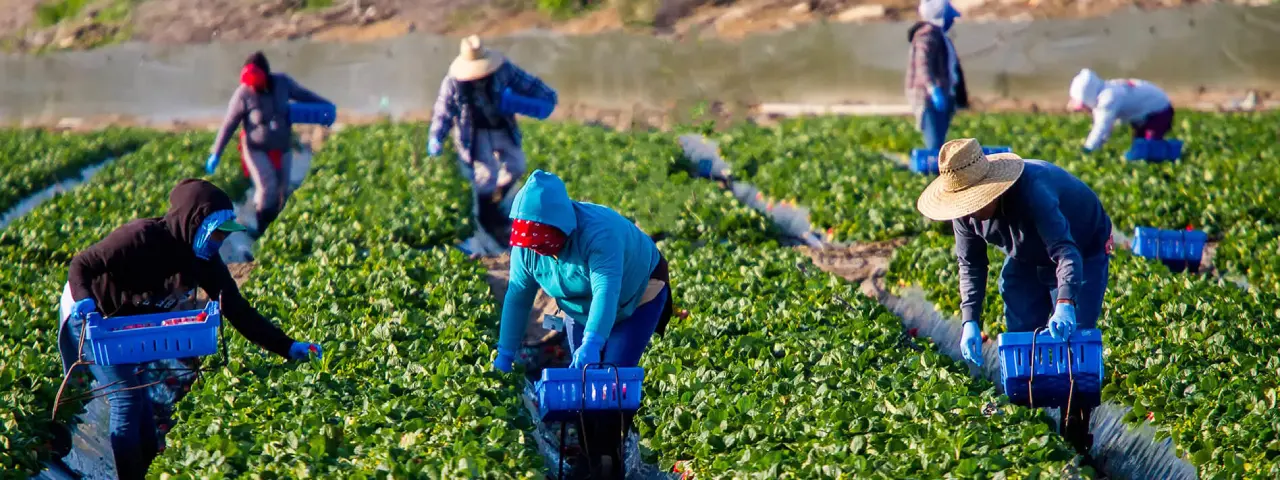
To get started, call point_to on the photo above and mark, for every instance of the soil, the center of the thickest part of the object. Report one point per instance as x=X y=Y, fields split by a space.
x=199 y=21
x=498 y=277
x=864 y=264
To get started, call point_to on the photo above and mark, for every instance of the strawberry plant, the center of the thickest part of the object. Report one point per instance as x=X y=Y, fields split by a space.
x=34 y=159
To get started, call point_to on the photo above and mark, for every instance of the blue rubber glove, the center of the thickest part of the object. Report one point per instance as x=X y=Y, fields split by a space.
x=303 y=350
x=504 y=361
x=211 y=164
x=83 y=308
x=588 y=353
x=940 y=101
x=1085 y=150
x=971 y=343
x=433 y=148
x=1063 y=321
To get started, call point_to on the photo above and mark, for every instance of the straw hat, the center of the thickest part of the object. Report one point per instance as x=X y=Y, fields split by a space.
x=474 y=60
x=967 y=180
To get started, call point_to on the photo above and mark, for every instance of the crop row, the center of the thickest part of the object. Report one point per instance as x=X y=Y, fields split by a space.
x=405 y=388
x=34 y=159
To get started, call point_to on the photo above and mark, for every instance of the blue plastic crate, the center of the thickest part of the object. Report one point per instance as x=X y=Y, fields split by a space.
x=1179 y=249
x=312 y=113
x=1054 y=363
x=561 y=393
x=514 y=103
x=925 y=161
x=1167 y=150
x=144 y=338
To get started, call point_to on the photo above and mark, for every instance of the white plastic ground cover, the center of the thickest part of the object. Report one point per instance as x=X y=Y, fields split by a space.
x=1119 y=451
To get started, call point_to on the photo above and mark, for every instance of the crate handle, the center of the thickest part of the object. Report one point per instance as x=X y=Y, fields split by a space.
x=582 y=419
x=1031 y=396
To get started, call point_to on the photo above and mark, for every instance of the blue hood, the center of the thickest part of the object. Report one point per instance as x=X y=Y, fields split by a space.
x=543 y=199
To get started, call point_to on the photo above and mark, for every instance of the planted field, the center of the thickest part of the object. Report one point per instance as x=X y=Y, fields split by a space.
x=35 y=159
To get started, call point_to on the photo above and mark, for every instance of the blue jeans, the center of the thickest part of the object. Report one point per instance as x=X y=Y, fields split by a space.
x=133 y=429
x=934 y=125
x=630 y=336
x=1030 y=291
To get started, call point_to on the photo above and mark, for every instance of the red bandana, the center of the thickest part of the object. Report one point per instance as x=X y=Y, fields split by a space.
x=253 y=77
x=539 y=237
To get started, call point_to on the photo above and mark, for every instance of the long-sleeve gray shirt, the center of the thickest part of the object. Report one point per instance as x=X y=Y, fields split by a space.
x=265 y=116
x=1047 y=218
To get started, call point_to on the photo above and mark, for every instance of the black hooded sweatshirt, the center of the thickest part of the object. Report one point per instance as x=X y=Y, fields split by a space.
x=147 y=265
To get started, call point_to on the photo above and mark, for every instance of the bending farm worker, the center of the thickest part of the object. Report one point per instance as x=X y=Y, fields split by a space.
x=148 y=266
x=261 y=105
x=488 y=140
x=1142 y=104
x=934 y=83
x=1054 y=231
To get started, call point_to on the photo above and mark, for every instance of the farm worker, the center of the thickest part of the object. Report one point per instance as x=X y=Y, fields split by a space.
x=1051 y=226
x=605 y=273
x=147 y=266
x=261 y=105
x=487 y=139
x=934 y=83
x=1145 y=106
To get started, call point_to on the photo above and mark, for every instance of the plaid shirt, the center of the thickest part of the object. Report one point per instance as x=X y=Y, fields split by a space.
x=451 y=107
x=928 y=64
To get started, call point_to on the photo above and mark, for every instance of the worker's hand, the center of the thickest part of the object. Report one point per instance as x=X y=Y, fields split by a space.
x=588 y=353
x=211 y=164
x=971 y=343
x=304 y=350
x=940 y=101
x=1085 y=149
x=83 y=308
x=1063 y=321
x=505 y=360
x=433 y=148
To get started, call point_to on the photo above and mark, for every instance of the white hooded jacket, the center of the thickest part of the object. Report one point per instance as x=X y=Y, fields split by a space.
x=1122 y=99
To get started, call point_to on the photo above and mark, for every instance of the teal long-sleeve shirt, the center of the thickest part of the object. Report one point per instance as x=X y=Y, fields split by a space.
x=598 y=278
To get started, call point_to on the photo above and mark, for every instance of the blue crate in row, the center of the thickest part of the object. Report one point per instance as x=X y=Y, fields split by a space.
x=563 y=394
x=925 y=161
x=312 y=113
x=1167 y=150
x=1180 y=250
x=157 y=336
x=1054 y=363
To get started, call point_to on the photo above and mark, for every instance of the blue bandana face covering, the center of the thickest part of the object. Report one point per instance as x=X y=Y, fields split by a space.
x=205 y=246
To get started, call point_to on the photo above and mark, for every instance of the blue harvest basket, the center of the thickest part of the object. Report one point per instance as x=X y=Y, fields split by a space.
x=144 y=338
x=925 y=161
x=313 y=113
x=1180 y=250
x=513 y=103
x=563 y=394
x=1167 y=150
x=1053 y=363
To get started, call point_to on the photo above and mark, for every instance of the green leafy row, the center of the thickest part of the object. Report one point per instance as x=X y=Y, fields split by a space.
x=405 y=388
x=772 y=377
x=34 y=159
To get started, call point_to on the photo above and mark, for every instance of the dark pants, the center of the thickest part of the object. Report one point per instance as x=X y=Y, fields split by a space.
x=133 y=429
x=1029 y=293
x=491 y=216
x=934 y=125
x=1155 y=126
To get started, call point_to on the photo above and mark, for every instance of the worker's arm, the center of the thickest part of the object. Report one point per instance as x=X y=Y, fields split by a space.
x=1054 y=231
x=521 y=290
x=96 y=261
x=1104 y=118
x=445 y=110
x=217 y=282
x=235 y=115
x=527 y=84
x=605 y=263
x=299 y=93
x=971 y=252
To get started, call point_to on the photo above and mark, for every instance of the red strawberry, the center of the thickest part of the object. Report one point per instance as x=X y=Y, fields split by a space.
x=201 y=317
x=1151 y=416
x=984 y=337
x=914 y=332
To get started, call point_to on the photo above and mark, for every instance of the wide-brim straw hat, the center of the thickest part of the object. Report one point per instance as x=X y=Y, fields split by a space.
x=474 y=61
x=967 y=180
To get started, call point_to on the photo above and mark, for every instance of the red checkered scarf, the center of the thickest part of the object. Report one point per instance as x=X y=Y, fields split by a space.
x=539 y=237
